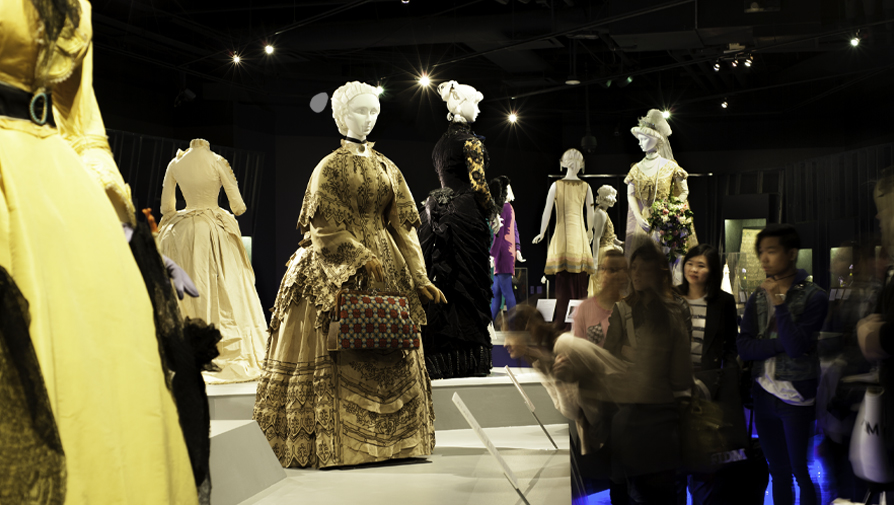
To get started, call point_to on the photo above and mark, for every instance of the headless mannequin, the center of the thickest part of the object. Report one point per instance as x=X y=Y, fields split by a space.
x=569 y=285
x=360 y=119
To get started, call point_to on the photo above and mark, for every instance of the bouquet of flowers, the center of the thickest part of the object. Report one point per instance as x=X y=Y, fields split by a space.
x=671 y=219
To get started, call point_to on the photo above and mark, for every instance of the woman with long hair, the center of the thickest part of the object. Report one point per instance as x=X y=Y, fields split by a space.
x=650 y=330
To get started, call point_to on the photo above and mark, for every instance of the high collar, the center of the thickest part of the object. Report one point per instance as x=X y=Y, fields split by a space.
x=455 y=128
x=355 y=148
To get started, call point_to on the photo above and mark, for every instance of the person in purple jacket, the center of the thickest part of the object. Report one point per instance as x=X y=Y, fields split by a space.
x=506 y=247
x=778 y=335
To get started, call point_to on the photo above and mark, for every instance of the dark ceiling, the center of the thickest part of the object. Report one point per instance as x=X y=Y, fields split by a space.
x=630 y=55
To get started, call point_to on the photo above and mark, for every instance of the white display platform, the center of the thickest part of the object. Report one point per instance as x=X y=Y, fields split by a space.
x=242 y=462
x=493 y=400
x=460 y=472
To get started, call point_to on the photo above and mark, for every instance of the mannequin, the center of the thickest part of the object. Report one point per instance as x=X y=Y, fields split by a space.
x=506 y=249
x=656 y=176
x=569 y=257
x=359 y=223
x=458 y=225
x=206 y=241
x=604 y=237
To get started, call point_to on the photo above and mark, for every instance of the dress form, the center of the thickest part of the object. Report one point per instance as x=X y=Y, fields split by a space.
x=569 y=256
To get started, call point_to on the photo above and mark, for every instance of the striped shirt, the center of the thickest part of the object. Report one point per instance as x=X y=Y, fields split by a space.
x=699 y=310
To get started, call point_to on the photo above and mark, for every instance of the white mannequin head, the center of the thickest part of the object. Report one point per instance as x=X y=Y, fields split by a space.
x=510 y=196
x=606 y=196
x=573 y=161
x=462 y=101
x=355 y=107
x=647 y=143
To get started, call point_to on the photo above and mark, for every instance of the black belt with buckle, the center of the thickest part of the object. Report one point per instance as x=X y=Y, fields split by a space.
x=19 y=104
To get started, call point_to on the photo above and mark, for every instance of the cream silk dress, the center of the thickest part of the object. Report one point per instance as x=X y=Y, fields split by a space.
x=206 y=242
x=91 y=318
x=320 y=408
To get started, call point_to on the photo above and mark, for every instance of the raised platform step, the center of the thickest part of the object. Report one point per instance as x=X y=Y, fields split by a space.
x=460 y=472
x=493 y=400
x=242 y=462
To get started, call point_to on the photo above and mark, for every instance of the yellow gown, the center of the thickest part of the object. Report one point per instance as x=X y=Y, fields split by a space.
x=61 y=197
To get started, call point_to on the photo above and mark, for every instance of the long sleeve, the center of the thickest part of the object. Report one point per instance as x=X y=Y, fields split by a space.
x=749 y=346
x=169 y=192
x=80 y=123
x=228 y=180
x=476 y=162
x=515 y=229
x=403 y=220
x=799 y=337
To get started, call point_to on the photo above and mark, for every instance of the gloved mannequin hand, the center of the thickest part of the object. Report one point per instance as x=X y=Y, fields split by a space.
x=182 y=282
x=518 y=256
x=430 y=293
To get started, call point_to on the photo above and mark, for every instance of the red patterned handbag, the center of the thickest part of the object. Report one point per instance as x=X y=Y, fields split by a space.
x=369 y=319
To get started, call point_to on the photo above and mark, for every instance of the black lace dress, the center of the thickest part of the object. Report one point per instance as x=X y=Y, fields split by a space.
x=456 y=236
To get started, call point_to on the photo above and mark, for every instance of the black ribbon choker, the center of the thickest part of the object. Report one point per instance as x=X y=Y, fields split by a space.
x=356 y=141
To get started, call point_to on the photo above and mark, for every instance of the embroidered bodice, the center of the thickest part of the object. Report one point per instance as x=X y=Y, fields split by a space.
x=461 y=161
x=648 y=188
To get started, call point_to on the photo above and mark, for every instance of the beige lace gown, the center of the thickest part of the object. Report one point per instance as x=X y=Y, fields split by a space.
x=320 y=408
x=206 y=242
x=647 y=189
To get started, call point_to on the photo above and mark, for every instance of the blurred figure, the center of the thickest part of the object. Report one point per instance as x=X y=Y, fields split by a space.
x=650 y=330
x=778 y=333
x=875 y=333
x=714 y=330
x=591 y=318
x=855 y=267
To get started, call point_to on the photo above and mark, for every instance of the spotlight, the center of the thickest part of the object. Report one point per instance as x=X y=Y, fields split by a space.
x=424 y=81
x=379 y=90
x=666 y=114
x=749 y=60
x=236 y=59
x=717 y=66
x=513 y=117
x=724 y=104
x=405 y=2
x=572 y=80
x=855 y=41
x=268 y=49
x=734 y=63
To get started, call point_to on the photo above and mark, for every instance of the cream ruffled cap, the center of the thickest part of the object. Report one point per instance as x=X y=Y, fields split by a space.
x=652 y=124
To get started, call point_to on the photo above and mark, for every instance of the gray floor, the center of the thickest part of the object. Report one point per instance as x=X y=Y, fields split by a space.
x=460 y=472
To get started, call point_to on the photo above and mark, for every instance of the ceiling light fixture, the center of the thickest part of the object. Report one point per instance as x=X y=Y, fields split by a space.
x=855 y=41
x=513 y=117
x=268 y=49
x=734 y=63
x=666 y=114
x=717 y=66
x=379 y=90
x=749 y=60
x=236 y=59
x=724 y=104
x=424 y=81
x=572 y=80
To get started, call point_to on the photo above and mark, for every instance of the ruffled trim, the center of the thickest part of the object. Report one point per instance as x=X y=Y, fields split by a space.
x=197 y=143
